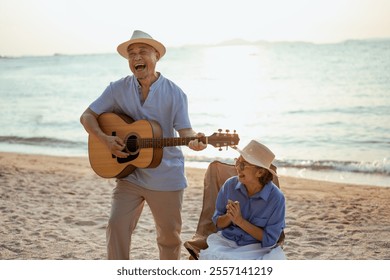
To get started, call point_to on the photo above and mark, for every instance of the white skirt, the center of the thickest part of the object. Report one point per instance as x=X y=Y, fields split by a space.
x=221 y=248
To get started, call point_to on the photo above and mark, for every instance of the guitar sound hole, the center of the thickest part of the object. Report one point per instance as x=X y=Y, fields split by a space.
x=132 y=145
x=132 y=148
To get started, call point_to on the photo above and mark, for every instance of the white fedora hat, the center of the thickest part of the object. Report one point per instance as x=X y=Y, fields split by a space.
x=140 y=37
x=259 y=155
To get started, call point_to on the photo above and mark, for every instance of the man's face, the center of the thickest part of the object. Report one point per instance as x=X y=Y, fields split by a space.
x=142 y=60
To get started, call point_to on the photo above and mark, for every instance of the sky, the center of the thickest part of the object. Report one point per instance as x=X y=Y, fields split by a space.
x=45 y=27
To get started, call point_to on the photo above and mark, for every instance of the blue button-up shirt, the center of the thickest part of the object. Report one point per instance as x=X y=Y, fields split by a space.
x=265 y=209
x=167 y=104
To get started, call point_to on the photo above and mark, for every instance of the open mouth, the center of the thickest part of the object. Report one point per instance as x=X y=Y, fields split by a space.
x=139 y=67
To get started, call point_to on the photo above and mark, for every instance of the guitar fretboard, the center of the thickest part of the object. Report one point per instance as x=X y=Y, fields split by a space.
x=160 y=142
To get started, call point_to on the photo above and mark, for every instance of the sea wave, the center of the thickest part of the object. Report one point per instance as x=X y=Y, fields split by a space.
x=363 y=167
x=375 y=167
x=41 y=141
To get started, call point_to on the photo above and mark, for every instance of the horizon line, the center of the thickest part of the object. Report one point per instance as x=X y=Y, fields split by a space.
x=230 y=42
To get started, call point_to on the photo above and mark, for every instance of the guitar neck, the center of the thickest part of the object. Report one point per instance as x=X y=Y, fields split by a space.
x=166 y=142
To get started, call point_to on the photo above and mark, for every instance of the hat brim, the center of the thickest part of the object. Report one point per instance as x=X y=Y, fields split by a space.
x=254 y=161
x=122 y=48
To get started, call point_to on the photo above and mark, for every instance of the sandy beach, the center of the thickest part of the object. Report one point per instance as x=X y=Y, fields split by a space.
x=57 y=208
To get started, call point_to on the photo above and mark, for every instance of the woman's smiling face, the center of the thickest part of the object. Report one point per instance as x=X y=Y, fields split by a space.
x=247 y=173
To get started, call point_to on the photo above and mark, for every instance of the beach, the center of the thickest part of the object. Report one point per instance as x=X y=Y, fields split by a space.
x=56 y=207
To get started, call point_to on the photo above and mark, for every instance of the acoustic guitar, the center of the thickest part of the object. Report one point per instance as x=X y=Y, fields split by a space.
x=144 y=143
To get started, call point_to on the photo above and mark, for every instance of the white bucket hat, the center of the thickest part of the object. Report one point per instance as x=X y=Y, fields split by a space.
x=140 y=37
x=259 y=155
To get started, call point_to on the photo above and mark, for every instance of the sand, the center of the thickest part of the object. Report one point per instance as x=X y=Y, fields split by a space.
x=57 y=208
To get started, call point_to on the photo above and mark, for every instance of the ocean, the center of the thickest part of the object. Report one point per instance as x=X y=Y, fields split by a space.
x=323 y=109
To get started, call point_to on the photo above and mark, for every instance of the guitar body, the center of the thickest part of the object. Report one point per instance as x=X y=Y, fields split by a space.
x=108 y=166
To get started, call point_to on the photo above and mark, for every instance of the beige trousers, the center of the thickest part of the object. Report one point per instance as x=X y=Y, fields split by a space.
x=127 y=204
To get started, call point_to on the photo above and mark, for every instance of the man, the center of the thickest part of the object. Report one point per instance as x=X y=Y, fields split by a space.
x=146 y=94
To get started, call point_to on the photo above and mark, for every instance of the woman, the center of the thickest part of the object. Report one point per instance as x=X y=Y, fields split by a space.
x=250 y=210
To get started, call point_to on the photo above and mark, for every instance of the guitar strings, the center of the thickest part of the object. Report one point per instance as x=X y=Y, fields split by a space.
x=152 y=142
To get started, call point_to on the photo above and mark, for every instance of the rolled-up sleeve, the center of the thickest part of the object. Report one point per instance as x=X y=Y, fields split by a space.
x=276 y=222
x=220 y=205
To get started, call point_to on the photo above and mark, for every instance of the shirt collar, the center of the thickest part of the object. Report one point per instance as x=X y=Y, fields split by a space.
x=263 y=194
x=159 y=78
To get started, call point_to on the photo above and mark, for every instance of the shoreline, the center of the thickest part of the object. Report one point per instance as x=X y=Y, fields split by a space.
x=56 y=207
x=335 y=176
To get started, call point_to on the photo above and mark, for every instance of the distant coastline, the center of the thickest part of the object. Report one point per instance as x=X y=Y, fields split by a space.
x=232 y=42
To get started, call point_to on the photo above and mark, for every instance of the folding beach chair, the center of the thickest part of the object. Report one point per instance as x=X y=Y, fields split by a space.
x=216 y=175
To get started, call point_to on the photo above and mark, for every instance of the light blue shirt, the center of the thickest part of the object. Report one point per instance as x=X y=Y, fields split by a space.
x=167 y=104
x=265 y=209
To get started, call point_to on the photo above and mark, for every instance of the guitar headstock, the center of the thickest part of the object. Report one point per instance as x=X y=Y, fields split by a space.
x=223 y=139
